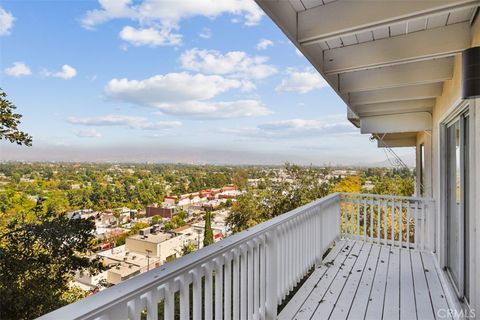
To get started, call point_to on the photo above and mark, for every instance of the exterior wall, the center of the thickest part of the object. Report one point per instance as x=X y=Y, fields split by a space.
x=445 y=105
x=163 y=212
x=141 y=246
x=170 y=247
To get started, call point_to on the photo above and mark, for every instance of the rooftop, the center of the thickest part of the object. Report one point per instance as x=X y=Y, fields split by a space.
x=153 y=237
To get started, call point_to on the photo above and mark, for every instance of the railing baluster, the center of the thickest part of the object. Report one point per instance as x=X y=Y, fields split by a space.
x=250 y=280
x=416 y=238
x=218 y=288
x=263 y=282
x=358 y=219
x=352 y=209
x=256 y=279
x=400 y=224
x=184 y=298
x=393 y=223
x=197 y=293
x=207 y=292
x=379 y=213
x=423 y=230
x=227 y=281
x=236 y=286
x=385 y=221
x=271 y=264
x=372 y=210
x=152 y=299
x=169 y=304
x=408 y=224
x=243 y=283
x=134 y=309
x=365 y=219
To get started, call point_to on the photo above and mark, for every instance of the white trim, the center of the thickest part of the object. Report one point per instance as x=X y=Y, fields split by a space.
x=456 y=112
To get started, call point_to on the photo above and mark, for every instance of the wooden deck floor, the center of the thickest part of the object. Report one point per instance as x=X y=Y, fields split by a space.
x=360 y=280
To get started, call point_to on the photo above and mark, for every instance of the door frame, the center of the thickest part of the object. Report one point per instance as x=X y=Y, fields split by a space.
x=457 y=111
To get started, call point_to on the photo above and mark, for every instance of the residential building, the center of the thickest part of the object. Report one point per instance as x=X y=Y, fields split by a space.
x=164 y=212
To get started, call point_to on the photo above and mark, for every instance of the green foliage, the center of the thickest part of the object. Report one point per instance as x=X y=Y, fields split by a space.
x=37 y=261
x=120 y=240
x=350 y=184
x=156 y=220
x=188 y=248
x=9 y=121
x=285 y=190
x=240 y=179
x=208 y=233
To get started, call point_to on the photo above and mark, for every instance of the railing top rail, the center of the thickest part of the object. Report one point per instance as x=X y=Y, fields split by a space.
x=125 y=291
x=385 y=196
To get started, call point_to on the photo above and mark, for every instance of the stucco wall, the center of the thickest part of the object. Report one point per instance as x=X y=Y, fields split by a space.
x=138 y=245
x=448 y=102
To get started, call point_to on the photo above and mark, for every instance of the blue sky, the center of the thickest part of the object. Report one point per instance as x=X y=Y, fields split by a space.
x=190 y=81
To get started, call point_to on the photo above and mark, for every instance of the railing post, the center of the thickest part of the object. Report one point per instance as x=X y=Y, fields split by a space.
x=271 y=283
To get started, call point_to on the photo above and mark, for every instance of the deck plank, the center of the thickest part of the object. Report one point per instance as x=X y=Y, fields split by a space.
x=377 y=296
x=407 y=291
x=392 y=292
x=317 y=294
x=371 y=281
x=330 y=298
x=302 y=294
x=344 y=301
x=437 y=295
x=422 y=297
x=360 y=299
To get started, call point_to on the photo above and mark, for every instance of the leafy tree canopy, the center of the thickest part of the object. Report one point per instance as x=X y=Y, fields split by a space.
x=37 y=261
x=9 y=121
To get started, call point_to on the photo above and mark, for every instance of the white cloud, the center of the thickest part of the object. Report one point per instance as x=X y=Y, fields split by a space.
x=87 y=133
x=216 y=110
x=150 y=36
x=127 y=121
x=169 y=13
x=295 y=128
x=206 y=33
x=264 y=44
x=18 y=69
x=168 y=88
x=234 y=63
x=67 y=72
x=6 y=22
x=187 y=95
x=298 y=52
x=301 y=81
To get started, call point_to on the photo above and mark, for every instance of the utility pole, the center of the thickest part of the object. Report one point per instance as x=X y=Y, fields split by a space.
x=148 y=259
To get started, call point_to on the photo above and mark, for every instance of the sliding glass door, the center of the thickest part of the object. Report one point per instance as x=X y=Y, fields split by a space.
x=457 y=155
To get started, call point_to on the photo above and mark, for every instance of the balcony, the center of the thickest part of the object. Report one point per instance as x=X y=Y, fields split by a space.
x=345 y=256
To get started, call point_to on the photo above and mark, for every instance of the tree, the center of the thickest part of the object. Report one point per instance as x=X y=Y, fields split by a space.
x=240 y=179
x=349 y=184
x=246 y=212
x=188 y=248
x=285 y=190
x=208 y=233
x=9 y=121
x=37 y=261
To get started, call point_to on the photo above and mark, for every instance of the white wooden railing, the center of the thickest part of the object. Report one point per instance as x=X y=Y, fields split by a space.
x=247 y=275
x=242 y=277
x=398 y=221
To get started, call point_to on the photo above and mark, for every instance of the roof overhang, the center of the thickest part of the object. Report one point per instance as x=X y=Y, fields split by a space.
x=387 y=60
